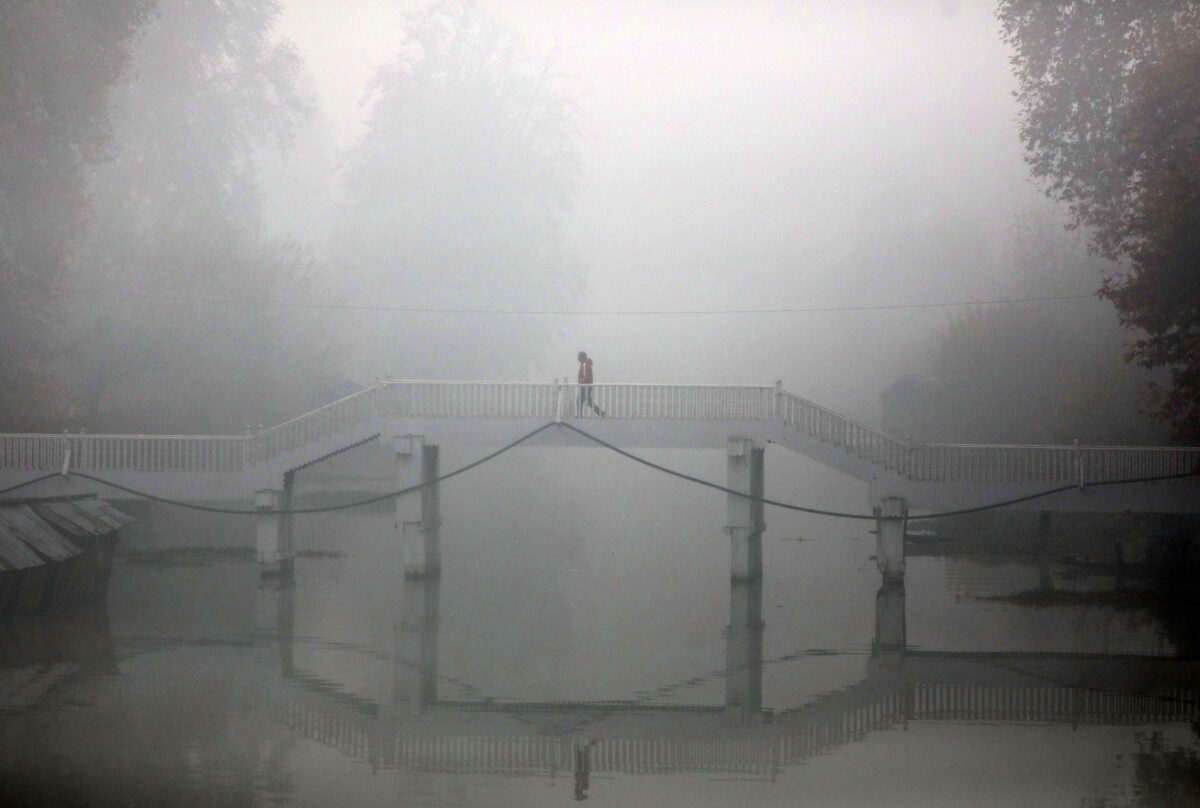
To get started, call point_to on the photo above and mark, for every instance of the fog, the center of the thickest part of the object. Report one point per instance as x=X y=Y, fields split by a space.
x=709 y=193
x=737 y=156
x=218 y=217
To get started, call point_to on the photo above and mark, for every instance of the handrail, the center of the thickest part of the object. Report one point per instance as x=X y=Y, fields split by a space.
x=830 y=427
x=105 y=452
x=316 y=412
x=451 y=383
x=148 y=435
x=355 y=415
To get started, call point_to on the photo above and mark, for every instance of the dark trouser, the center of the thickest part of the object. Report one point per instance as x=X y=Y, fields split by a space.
x=585 y=397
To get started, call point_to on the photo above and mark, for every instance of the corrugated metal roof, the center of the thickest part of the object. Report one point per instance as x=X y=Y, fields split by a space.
x=34 y=530
x=14 y=553
x=70 y=519
x=103 y=512
x=37 y=533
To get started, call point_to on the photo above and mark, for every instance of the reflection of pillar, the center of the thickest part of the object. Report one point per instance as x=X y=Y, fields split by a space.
x=414 y=682
x=583 y=769
x=273 y=539
x=890 y=519
x=417 y=513
x=744 y=521
x=1045 y=580
x=275 y=623
x=889 y=618
x=743 y=652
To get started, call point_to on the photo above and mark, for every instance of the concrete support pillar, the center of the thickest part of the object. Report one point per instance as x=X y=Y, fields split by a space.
x=743 y=652
x=414 y=681
x=890 y=520
x=889 y=619
x=744 y=521
x=431 y=509
x=273 y=539
x=418 y=513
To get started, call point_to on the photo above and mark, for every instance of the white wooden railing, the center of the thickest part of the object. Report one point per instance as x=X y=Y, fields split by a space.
x=49 y=452
x=1049 y=464
x=332 y=419
x=830 y=427
x=531 y=400
x=544 y=402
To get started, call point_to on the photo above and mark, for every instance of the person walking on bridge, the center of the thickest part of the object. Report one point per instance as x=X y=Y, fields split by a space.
x=585 y=386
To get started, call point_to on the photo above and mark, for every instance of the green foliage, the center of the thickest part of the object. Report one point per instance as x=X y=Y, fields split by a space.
x=1111 y=125
x=1160 y=295
x=455 y=197
x=177 y=216
x=1047 y=373
x=58 y=61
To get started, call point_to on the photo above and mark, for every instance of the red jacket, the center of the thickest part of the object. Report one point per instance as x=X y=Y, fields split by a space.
x=585 y=371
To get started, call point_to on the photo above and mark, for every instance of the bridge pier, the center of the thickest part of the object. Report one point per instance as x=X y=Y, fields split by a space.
x=891 y=517
x=743 y=652
x=744 y=517
x=273 y=531
x=418 y=514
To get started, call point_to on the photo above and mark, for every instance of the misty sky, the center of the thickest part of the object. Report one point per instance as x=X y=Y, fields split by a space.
x=742 y=155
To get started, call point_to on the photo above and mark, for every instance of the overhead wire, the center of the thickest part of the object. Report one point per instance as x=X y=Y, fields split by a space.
x=574 y=312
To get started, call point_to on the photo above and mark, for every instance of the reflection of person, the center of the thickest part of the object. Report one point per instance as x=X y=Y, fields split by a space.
x=585 y=385
x=583 y=770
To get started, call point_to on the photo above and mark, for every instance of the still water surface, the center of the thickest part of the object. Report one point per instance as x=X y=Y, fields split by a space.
x=589 y=646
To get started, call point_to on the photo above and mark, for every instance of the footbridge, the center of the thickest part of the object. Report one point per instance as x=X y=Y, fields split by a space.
x=415 y=418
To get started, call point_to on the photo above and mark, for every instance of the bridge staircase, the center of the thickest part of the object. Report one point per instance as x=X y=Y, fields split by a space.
x=638 y=416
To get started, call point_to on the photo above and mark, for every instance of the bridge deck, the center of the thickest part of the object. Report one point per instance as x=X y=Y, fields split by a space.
x=637 y=416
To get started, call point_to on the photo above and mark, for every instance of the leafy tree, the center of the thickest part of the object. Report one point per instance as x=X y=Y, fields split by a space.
x=456 y=197
x=1111 y=124
x=58 y=61
x=1044 y=373
x=178 y=222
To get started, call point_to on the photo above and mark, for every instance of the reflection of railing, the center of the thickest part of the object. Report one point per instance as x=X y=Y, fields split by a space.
x=791 y=738
x=981 y=702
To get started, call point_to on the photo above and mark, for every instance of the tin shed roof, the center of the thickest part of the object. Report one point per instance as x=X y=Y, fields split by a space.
x=14 y=553
x=34 y=531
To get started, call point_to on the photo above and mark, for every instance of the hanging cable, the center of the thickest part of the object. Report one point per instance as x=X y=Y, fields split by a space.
x=844 y=515
x=601 y=442
x=281 y=511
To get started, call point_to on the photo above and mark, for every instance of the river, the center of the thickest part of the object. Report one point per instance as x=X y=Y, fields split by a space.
x=584 y=642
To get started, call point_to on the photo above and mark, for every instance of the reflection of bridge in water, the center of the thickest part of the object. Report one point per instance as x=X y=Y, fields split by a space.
x=417 y=730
